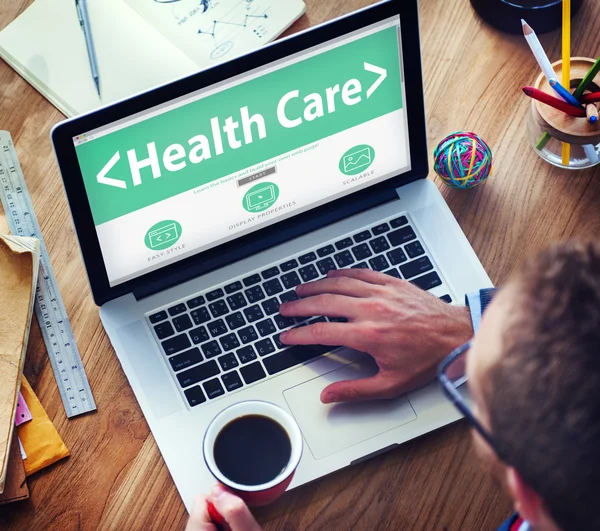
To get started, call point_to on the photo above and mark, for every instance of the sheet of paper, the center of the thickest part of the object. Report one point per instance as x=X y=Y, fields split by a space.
x=23 y=454
x=23 y=414
x=47 y=47
x=213 y=31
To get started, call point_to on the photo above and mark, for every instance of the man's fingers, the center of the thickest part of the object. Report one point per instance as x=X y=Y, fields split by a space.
x=366 y=275
x=199 y=518
x=377 y=386
x=324 y=304
x=233 y=510
x=332 y=334
x=340 y=285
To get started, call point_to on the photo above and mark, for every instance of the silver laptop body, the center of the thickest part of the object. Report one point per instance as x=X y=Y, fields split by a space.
x=193 y=346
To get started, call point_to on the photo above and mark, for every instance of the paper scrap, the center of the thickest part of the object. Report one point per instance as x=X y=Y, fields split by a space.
x=23 y=413
x=23 y=454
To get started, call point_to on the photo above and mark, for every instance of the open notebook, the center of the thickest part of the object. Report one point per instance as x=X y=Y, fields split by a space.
x=139 y=43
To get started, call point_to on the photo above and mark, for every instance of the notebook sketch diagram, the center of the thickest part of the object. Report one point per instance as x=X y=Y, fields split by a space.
x=357 y=159
x=180 y=8
x=212 y=31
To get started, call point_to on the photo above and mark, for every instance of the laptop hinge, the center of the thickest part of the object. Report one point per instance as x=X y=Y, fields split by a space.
x=185 y=274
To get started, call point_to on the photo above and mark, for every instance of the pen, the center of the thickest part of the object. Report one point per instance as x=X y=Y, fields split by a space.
x=217 y=519
x=567 y=108
x=564 y=93
x=84 y=21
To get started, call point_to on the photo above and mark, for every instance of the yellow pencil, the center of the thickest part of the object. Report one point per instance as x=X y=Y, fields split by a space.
x=566 y=65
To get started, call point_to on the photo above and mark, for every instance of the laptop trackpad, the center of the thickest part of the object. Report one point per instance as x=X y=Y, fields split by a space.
x=329 y=428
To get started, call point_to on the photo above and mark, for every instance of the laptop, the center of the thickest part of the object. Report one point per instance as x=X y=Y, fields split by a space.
x=200 y=206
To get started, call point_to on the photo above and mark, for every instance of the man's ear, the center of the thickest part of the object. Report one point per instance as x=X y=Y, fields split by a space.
x=527 y=501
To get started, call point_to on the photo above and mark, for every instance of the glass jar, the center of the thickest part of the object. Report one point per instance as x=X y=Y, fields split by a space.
x=548 y=128
x=550 y=148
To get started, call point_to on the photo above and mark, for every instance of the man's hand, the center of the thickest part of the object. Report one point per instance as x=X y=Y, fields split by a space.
x=232 y=509
x=407 y=331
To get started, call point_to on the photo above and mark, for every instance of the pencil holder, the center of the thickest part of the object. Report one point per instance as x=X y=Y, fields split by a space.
x=548 y=128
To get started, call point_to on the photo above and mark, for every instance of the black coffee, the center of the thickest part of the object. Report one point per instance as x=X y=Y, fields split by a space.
x=252 y=450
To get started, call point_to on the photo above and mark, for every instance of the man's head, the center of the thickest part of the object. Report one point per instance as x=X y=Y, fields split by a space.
x=534 y=373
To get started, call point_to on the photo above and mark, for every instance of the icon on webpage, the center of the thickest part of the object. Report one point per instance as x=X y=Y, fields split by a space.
x=256 y=200
x=260 y=197
x=163 y=235
x=358 y=159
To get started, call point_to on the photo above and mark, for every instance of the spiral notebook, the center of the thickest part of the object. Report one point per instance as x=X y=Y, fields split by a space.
x=139 y=44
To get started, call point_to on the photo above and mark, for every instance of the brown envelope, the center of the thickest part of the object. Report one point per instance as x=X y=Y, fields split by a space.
x=15 y=488
x=19 y=259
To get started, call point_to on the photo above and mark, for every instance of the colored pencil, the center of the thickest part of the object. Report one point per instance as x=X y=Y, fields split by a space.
x=564 y=93
x=589 y=77
x=591 y=112
x=543 y=141
x=538 y=51
x=591 y=153
x=566 y=70
x=566 y=48
x=545 y=65
x=546 y=98
x=592 y=97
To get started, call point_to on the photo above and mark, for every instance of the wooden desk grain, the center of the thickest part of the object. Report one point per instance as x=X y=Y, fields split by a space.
x=116 y=479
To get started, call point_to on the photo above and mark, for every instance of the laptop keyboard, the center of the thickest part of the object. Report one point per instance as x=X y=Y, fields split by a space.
x=226 y=338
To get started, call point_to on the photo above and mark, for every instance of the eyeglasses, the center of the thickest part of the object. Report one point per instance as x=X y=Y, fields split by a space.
x=452 y=375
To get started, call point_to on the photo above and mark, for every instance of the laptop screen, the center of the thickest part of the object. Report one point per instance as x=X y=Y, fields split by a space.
x=183 y=177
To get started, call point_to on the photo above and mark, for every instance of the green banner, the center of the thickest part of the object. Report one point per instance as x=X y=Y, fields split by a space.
x=206 y=140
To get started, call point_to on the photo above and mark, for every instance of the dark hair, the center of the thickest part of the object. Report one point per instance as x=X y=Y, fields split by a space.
x=544 y=394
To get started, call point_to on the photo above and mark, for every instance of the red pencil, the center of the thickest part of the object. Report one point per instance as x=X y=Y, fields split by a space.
x=544 y=97
x=590 y=98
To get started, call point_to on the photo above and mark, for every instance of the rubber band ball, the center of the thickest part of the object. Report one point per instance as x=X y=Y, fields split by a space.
x=463 y=160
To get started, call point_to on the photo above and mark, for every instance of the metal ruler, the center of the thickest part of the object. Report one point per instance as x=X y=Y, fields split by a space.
x=49 y=307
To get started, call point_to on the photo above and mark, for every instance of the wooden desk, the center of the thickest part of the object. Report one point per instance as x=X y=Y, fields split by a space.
x=115 y=477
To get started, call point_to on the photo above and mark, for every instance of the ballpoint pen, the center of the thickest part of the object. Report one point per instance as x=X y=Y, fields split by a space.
x=84 y=21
